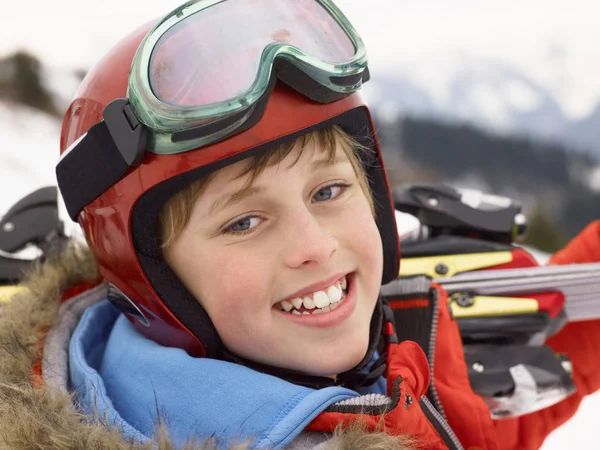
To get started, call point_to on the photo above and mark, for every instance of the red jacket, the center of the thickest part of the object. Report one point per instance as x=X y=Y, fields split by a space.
x=467 y=414
x=580 y=341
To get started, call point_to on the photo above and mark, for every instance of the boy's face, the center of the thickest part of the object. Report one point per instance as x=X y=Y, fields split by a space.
x=265 y=264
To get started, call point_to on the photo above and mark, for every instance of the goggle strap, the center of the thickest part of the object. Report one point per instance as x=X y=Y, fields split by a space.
x=291 y=75
x=208 y=129
x=91 y=167
x=126 y=131
x=257 y=111
x=351 y=80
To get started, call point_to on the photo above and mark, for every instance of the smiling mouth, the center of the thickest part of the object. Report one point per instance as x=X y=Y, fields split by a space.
x=318 y=302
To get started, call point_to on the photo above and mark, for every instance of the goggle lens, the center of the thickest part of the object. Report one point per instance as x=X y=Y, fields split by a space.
x=178 y=71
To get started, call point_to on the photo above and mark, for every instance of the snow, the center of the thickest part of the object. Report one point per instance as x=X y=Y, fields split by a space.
x=480 y=90
x=581 y=432
x=62 y=82
x=433 y=72
x=593 y=180
x=487 y=104
x=29 y=151
x=521 y=97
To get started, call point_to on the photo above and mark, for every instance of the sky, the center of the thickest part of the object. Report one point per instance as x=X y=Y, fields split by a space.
x=554 y=41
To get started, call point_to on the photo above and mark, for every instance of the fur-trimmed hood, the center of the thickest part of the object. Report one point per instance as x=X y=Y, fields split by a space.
x=37 y=414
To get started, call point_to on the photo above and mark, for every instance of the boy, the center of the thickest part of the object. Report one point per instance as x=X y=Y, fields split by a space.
x=282 y=276
x=242 y=231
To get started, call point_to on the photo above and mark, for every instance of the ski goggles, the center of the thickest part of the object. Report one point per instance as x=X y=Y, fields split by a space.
x=188 y=103
x=204 y=72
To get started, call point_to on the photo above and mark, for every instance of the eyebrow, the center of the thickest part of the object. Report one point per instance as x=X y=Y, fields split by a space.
x=233 y=198
x=237 y=196
x=319 y=163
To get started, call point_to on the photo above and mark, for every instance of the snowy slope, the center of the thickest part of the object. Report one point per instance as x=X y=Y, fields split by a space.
x=28 y=151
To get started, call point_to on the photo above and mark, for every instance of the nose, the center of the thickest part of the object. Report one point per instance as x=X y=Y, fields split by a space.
x=308 y=241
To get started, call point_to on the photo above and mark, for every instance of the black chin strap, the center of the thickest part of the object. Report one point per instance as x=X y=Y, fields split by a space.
x=361 y=375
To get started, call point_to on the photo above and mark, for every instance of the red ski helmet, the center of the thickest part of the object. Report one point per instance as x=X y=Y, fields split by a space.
x=115 y=189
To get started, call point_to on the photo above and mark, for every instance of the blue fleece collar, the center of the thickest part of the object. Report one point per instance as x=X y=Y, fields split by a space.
x=131 y=381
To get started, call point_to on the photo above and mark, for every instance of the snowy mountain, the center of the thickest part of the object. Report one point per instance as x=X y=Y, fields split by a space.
x=487 y=93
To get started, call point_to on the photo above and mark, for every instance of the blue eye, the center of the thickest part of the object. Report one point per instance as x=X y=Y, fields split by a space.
x=243 y=225
x=329 y=192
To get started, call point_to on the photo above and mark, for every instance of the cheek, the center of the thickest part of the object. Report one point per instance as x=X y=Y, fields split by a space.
x=363 y=236
x=366 y=238
x=232 y=287
x=235 y=293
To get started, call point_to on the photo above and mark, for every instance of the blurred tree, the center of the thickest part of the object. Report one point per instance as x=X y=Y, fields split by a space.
x=531 y=172
x=544 y=233
x=21 y=81
x=80 y=74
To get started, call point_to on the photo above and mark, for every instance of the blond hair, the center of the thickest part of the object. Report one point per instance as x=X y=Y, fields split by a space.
x=176 y=212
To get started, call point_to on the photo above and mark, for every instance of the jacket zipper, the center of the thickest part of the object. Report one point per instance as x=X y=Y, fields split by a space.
x=435 y=398
x=442 y=427
x=436 y=408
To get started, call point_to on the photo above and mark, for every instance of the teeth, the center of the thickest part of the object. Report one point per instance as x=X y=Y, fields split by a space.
x=321 y=299
x=287 y=306
x=308 y=303
x=305 y=313
x=297 y=302
x=334 y=293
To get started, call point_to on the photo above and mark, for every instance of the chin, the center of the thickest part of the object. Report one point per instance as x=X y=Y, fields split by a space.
x=341 y=362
